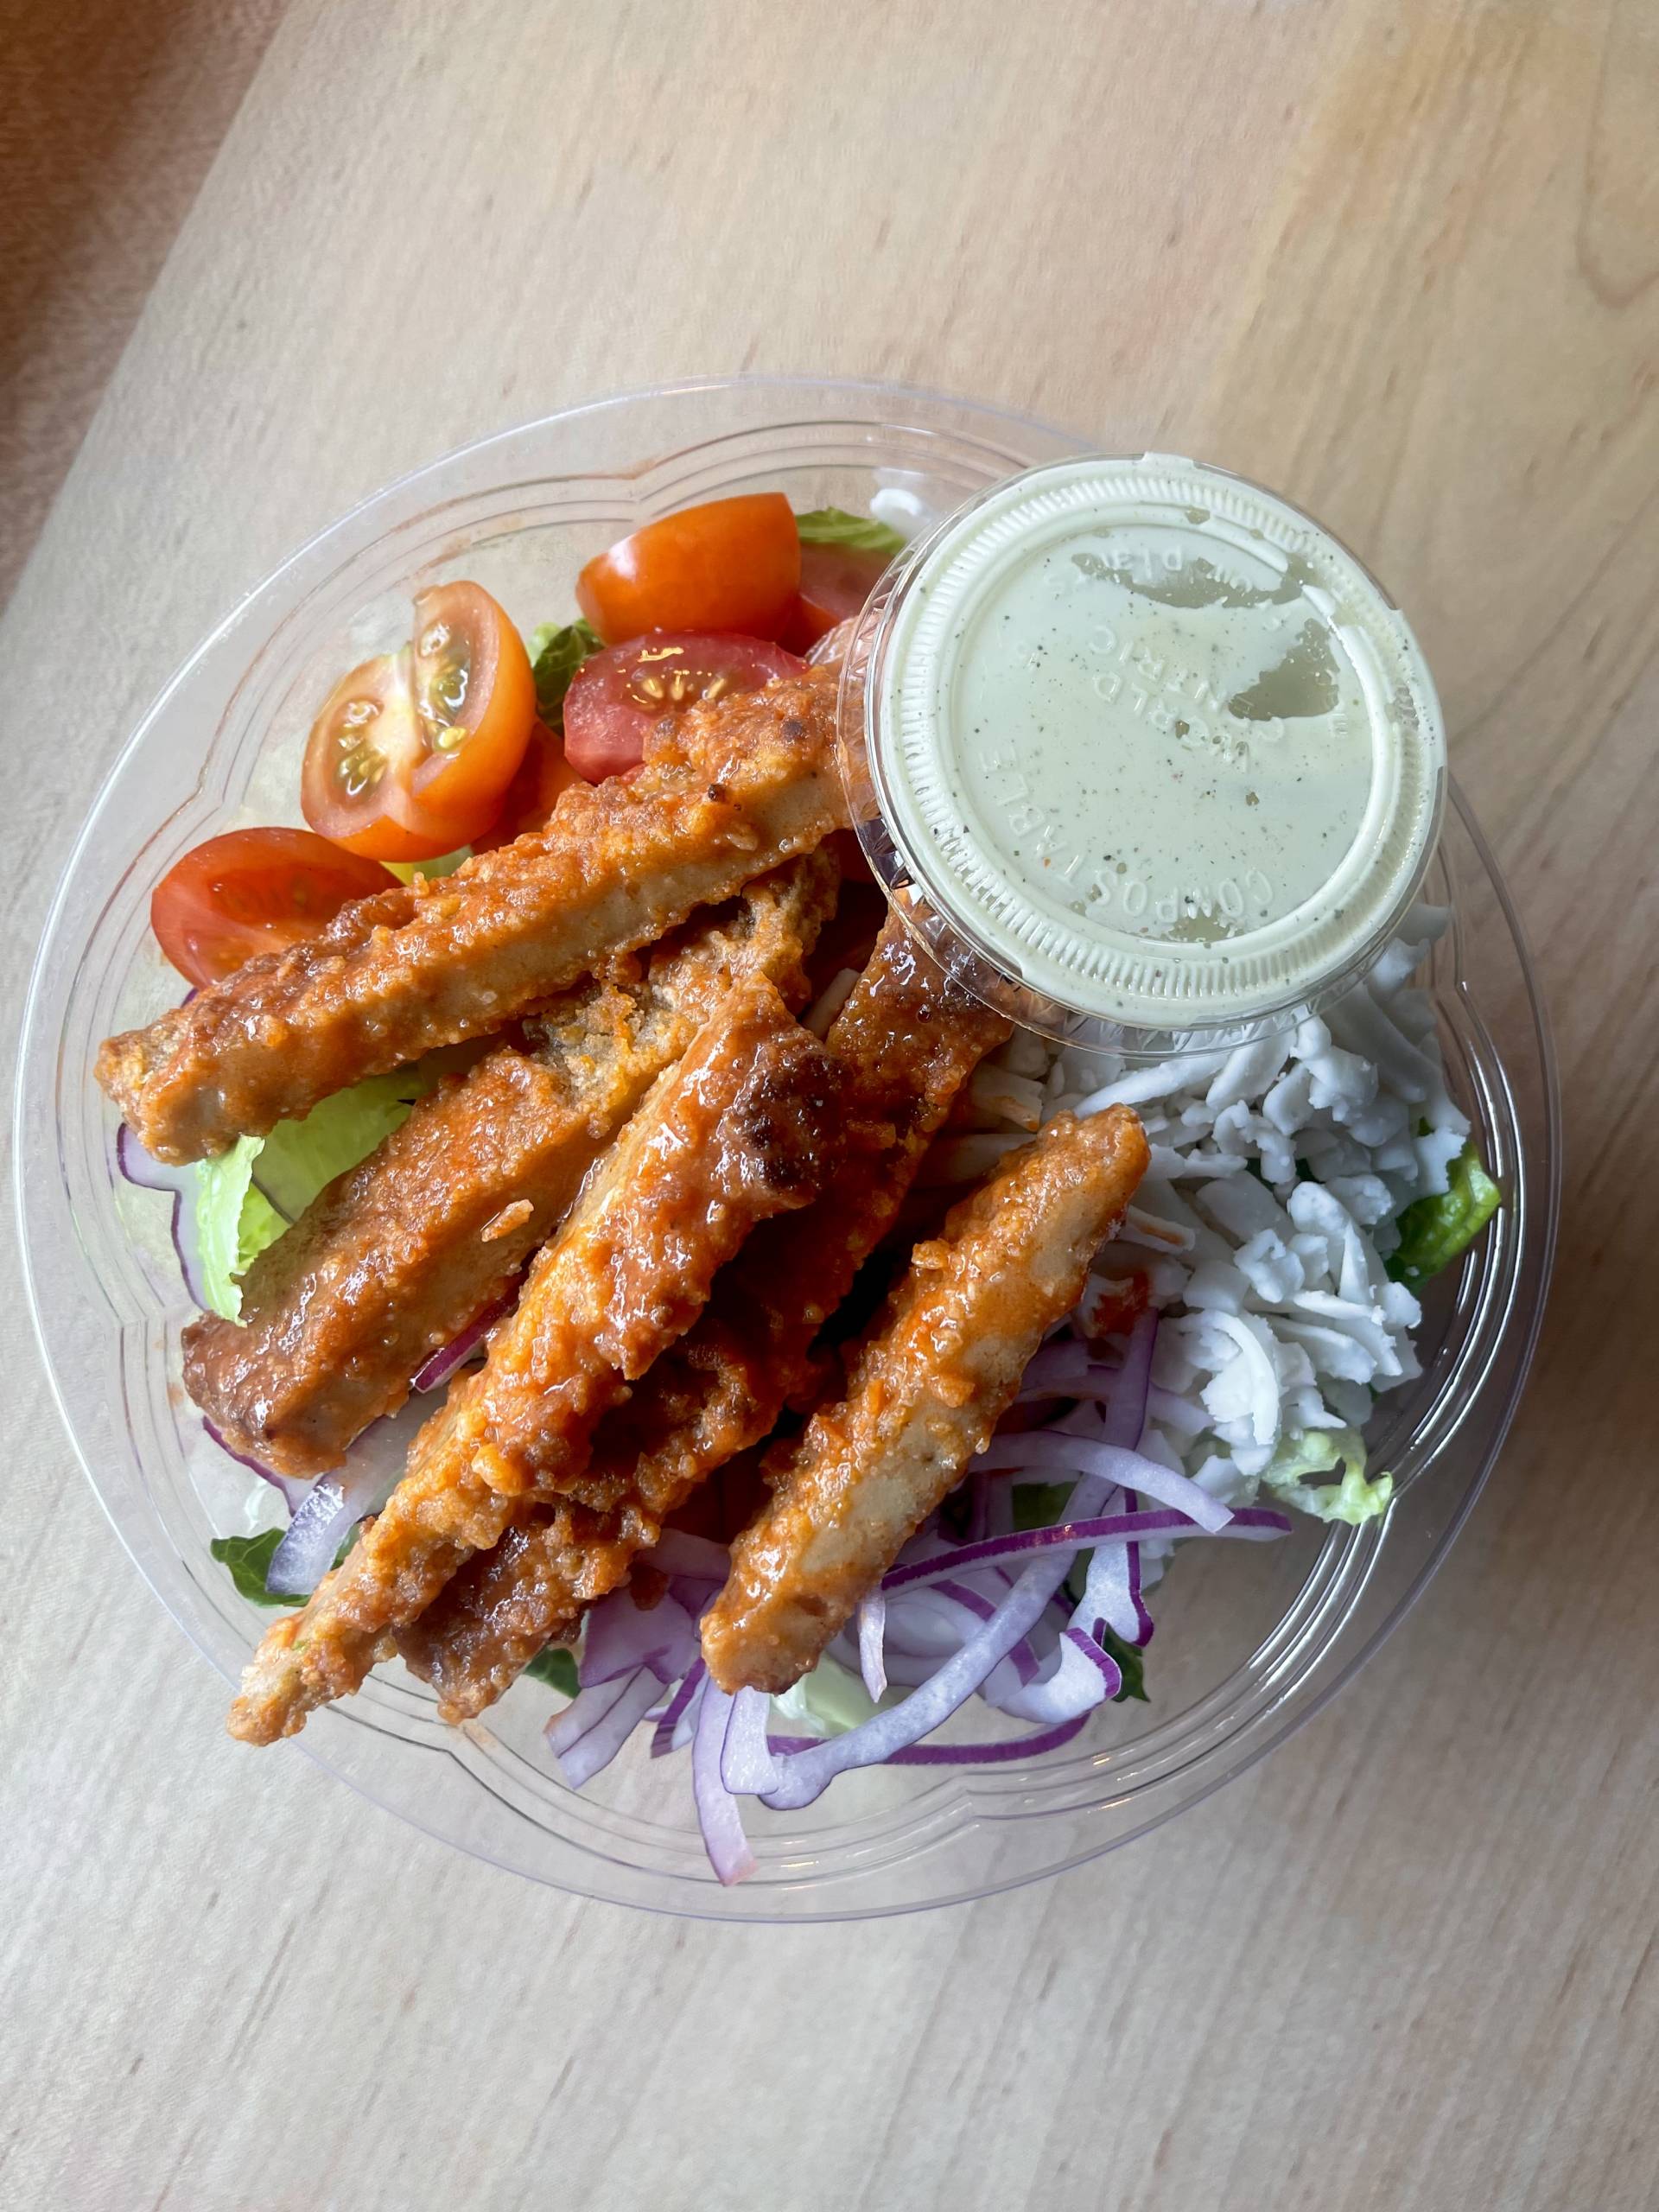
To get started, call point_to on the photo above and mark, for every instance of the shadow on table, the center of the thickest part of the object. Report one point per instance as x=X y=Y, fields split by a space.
x=111 y=116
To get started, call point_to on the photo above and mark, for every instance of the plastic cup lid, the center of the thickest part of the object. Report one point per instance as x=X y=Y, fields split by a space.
x=1143 y=751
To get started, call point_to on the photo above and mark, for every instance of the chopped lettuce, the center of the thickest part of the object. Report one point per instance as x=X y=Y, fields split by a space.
x=1317 y=1451
x=248 y=1560
x=1131 y=1664
x=299 y=1157
x=237 y=1215
x=445 y=864
x=234 y=1224
x=1039 y=1505
x=1433 y=1231
x=555 y=1666
x=858 y=533
x=557 y=653
x=828 y=1701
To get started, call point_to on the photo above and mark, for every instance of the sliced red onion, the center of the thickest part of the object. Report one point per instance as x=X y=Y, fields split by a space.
x=621 y=1636
x=955 y=1612
x=666 y=1737
x=1136 y=1598
x=920 y=1632
x=746 y=1764
x=1051 y=1376
x=993 y=1754
x=1252 y=1523
x=1031 y=1746
x=908 y=1670
x=872 y=1629
x=584 y=1712
x=1062 y=1366
x=307 y=1551
x=1069 y=1454
x=295 y=1487
x=1110 y=1595
x=314 y=1534
x=685 y=1726
x=434 y=1372
x=586 y=1736
x=676 y=1553
x=695 y=1591
x=717 y=1809
x=1083 y=1677
x=1022 y=1661
x=1126 y=1416
x=807 y=1774
x=149 y=1173
x=979 y=1515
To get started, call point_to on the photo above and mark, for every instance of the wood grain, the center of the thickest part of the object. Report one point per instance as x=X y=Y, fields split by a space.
x=1401 y=260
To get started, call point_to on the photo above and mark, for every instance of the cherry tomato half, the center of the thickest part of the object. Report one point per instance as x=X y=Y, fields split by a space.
x=475 y=704
x=361 y=753
x=531 y=795
x=412 y=753
x=616 y=696
x=835 y=582
x=254 y=891
x=731 y=564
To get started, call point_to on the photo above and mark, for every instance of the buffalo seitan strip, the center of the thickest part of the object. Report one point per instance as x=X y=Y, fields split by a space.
x=728 y=791
x=928 y=1384
x=741 y=1128
x=399 y=1254
x=908 y=1039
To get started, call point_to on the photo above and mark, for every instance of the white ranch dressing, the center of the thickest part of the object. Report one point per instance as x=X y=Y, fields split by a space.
x=1155 y=743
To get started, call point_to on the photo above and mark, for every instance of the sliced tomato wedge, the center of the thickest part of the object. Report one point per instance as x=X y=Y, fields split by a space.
x=728 y=565
x=413 y=752
x=475 y=704
x=254 y=891
x=615 y=697
x=531 y=795
x=362 y=752
x=835 y=582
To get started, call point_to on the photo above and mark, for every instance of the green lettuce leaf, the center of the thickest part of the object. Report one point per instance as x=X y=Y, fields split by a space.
x=236 y=1220
x=445 y=864
x=555 y=1666
x=1131 y=1664
x=1317 y=1451
x=859 y=533
x=829 y=1700
x=248 y=1560
x=298 y=1158
x=1039 y=1505
x=1433 y=1231
x=234 y=1224
x=555 y=653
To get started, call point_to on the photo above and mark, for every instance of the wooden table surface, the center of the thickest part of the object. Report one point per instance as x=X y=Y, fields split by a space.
x=1400 y=258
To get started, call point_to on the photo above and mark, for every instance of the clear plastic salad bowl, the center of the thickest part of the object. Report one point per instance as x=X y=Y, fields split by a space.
x=1251 y=1638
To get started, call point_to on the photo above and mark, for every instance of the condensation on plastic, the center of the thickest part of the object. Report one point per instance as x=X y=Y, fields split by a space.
x=1247 y=1646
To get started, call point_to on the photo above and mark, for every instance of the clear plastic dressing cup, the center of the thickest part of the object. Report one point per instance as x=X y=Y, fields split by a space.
x=1144 y=753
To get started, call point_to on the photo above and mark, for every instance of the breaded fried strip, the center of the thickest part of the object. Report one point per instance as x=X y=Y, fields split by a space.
x=908 y=1039
x=396 y=1257
x=928 y=1384
x=741 y=1128
x=727 y=791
